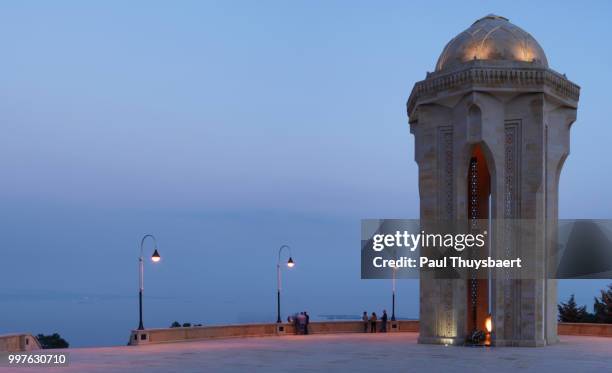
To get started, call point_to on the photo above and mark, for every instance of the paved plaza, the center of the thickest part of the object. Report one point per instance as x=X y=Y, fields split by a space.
x=338 y=353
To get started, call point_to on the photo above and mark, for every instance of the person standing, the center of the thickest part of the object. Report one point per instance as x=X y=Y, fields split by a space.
x=373 y=320
x=296 y=326
x=301 y=322
x=307 y=322
x=364 y=318
x=383 y=322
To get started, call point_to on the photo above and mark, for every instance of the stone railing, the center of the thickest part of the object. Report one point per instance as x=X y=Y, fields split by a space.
x=148 y=336
x=18 y=342
x=599 y=330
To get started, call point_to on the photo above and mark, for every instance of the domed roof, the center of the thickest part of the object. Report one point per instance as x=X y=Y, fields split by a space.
x=492 y=38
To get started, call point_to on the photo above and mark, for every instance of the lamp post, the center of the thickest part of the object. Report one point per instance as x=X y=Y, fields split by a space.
x=155 y=258
x=393 y=287
x=393 y=298
x=290 y=264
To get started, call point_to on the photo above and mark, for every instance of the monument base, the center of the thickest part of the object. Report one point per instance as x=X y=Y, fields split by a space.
x=453 y=341
x=519 y=342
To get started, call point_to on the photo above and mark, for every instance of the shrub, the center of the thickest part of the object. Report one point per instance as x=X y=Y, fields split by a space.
x=570 y=312
x=52 y=341
x=603 y=306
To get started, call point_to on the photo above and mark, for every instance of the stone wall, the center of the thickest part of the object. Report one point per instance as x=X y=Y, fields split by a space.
x=599 y=330
x=139 y=337
x=152 y=336
x=18 y=342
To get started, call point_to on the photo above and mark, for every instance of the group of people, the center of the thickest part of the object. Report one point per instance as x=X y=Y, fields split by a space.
x=371 y=321
x=301 y=321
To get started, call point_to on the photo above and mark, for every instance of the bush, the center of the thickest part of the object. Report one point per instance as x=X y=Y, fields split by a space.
x=603 y=306
x=570 y=312
x=52 y=341
x=177 y=324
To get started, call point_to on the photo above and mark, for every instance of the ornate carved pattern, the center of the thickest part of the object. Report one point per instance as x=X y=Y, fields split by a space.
x=512 y=148
x=499 y=77
x=445 y=166
x=511 y=167
x=445 y=201
x=473 y=216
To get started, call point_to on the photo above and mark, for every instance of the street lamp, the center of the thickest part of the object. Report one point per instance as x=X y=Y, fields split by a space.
x=290 y=264
x=155 y=258
x=393 y=287
x=393 y=301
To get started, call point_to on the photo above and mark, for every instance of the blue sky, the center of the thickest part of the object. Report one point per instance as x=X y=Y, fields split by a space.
x=230 y=128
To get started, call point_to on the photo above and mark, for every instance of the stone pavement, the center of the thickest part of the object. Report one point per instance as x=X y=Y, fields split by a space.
x=397 y=352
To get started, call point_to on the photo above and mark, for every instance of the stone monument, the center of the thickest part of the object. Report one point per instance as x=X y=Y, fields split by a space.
x=491 y=127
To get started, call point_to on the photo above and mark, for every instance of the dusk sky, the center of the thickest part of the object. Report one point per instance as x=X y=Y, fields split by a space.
x=228 y=129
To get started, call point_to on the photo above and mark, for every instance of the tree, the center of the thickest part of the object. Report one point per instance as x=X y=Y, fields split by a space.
x=603 y=306
x=52 y=341
x=570 y=312
x=175 y=324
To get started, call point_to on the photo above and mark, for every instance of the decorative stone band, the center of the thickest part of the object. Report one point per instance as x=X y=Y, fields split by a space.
x=494 y=77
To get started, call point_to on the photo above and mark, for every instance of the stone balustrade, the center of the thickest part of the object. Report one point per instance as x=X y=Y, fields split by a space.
x=151 y=336
x=598 y=330
x=27 y=342
x=147 y=336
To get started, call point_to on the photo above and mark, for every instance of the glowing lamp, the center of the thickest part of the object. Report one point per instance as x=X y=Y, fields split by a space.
x=155 y=257
x=290 y=263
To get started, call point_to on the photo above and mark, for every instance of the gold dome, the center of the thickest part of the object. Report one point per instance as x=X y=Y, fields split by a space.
x=492 y=38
